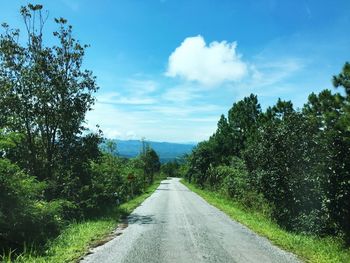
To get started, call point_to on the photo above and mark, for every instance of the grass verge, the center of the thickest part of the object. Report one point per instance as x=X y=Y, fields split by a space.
x=308 y=248
x=78 y=237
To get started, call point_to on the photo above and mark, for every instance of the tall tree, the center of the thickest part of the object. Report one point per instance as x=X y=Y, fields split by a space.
x=223 y=140
x=151 y=163
x=243 y=118
x=343 y=78
x=44 y=93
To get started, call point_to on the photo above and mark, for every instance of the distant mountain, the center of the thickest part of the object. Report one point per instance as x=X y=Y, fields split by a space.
x=166 y=151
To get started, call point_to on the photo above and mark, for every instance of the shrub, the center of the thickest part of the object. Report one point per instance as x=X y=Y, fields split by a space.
x=24 y=217
x=105 y=186
x=236 y=179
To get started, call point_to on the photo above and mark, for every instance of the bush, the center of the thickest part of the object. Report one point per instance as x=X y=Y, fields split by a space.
x=236 y=180
x=105 y=187
x=24 y=217
x=112 y=181
x=314 y=222
x=170 y=169
x=256 y=202
x=133 y=180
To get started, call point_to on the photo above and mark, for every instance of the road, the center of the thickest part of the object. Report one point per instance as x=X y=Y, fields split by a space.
x=176 y=225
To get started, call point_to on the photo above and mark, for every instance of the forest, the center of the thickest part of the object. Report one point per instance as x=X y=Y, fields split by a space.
x=293 y=165
x=52 y=168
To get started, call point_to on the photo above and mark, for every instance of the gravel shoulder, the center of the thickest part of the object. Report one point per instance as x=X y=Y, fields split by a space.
x=176 y=225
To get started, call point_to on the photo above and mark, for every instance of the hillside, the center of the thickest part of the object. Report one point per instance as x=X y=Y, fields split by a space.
x=167 y=151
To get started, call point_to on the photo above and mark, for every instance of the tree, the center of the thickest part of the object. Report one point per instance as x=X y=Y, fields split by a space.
x=171 y=168
x=243 y=118
x=151 y=163
x=296 y=160
x=339 y=174
x=223 y=142
x=343 y=79
x=44 y=92
x=199 y=161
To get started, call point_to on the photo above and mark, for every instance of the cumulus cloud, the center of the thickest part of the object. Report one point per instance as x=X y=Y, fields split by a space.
x=210 y=65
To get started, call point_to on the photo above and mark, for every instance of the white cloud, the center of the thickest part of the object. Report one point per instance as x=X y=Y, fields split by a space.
x=174 y=110
x=133 y=92
x=111 y=133
x=181 y=94
x=116 y=122
x=155 y=122
x=116 y=98
x=141 y=87
x=270 y=77
x=210 y=65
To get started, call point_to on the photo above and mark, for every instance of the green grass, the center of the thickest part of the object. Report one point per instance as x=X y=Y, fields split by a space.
x=308 y=248
x=78 y=237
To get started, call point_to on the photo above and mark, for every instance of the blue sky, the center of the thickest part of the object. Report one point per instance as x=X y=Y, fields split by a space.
x=167 y=69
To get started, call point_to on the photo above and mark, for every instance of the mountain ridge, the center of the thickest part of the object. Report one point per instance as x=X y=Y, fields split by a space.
x=167 y=151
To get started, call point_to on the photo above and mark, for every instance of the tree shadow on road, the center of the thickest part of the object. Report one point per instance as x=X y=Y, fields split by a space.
x=141 y=219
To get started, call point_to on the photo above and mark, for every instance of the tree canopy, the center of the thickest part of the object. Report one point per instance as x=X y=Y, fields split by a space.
x=297 y=161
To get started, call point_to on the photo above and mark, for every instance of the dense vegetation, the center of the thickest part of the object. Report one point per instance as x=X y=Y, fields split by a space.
x=52 y=170
x=292 y=165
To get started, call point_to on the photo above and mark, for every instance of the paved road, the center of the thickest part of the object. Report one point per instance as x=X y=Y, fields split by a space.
x=176 y=225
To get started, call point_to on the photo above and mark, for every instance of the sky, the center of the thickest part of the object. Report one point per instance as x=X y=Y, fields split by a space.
x=167 y=69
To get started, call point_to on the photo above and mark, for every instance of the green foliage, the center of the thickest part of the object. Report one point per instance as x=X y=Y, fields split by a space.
x=44 y=97
x=24 y=217
x=105 y=189
x=235 y=177
x=52 y=170
x=134 y=178
x=343 y=79
x=199 y=162
x=296 y=161
x=44 y=92
x=76 y=239
x=243 y=118
x=171 y=169
x=151 y=163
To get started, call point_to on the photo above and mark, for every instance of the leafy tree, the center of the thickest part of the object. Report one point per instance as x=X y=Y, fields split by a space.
x=343 y=79
x=171 y=168
x=243 y=118
x=151 y=163
x=338 y=158
x=45 y=93
x=200 y=160
x=106 y=187
x=282 y=109
x=328 y=112
x=296 y=161
x=223 y=141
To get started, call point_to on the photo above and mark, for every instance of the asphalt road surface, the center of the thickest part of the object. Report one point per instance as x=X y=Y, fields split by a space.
x=176 y=225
